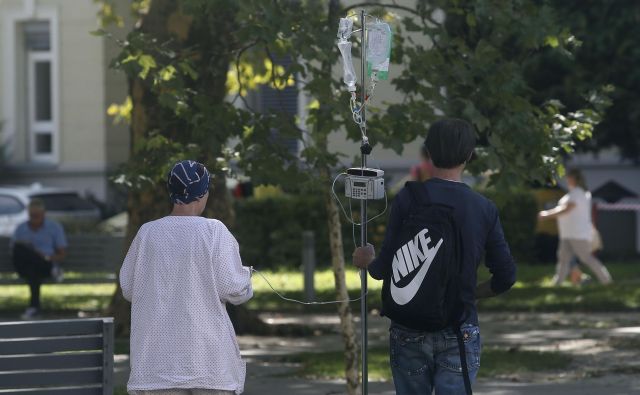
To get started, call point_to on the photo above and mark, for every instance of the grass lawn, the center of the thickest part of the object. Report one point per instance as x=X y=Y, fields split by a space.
x=533 y=292
x=58 y=298
x=495 y=362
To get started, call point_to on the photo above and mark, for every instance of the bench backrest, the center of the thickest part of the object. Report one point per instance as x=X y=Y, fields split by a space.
x=86 y=253
x=71 y=357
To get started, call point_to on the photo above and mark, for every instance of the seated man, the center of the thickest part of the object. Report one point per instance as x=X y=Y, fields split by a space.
x=38 y=247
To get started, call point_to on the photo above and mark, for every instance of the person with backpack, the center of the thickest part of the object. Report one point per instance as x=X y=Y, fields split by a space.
x=438 y=233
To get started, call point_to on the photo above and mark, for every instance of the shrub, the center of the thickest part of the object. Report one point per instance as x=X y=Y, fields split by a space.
x=518 y=214
x=269 y=229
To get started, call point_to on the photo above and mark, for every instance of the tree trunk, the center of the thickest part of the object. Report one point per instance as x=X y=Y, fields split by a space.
x=322 y=130
x=163 y=20
x=349 y=338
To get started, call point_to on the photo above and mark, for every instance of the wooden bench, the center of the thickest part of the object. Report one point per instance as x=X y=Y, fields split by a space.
x=70 y=357
x=86 y=254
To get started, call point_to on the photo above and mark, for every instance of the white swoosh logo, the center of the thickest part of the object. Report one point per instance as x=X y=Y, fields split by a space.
x=404 y=295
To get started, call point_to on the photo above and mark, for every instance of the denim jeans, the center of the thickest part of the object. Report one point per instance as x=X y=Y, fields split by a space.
x=423 y=362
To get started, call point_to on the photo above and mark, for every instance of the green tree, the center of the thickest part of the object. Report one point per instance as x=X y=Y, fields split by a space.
x=606 y=53
x=459 y=58
x=473 y=66
x=177 y=60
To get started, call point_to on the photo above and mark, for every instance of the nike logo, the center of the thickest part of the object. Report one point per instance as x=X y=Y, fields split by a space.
x=414 y=255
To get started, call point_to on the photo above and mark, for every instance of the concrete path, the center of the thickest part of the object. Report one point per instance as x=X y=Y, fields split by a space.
x=602 y=346
x=610 y=385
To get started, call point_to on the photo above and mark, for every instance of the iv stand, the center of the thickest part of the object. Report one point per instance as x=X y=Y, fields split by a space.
x=365 y=149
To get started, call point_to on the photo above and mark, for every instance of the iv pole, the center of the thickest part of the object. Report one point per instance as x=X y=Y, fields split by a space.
x=365 y=149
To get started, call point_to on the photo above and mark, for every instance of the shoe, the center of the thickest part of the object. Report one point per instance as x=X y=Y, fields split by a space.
x=57 y=273
x=30 y=313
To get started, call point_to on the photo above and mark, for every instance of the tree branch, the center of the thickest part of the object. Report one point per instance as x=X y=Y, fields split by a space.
x=238 y=77
x=395 y=6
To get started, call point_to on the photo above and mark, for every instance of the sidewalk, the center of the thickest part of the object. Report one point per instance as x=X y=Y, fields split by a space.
x=602 y=345
x=610 y=385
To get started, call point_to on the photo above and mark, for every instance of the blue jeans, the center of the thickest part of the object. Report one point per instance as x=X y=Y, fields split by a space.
x=422 y=362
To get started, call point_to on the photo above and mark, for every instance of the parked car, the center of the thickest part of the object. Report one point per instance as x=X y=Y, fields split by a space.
x=65 y=206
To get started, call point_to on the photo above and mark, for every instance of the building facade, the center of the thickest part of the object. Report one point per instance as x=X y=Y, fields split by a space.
x=55 y=87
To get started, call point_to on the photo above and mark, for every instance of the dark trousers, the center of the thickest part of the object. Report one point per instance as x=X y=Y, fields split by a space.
x=33 y=268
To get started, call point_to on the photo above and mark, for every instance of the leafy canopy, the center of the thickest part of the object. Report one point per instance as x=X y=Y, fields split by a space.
x=460 y=58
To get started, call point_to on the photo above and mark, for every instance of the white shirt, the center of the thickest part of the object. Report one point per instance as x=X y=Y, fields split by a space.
x=576 y=224
x=178 y=274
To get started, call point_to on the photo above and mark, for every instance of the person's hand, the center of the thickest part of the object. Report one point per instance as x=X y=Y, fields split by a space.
x=363 y=256
x=542 y=214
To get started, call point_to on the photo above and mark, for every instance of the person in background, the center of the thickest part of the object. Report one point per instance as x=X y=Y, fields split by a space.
x=575 y=230
x=179 y=273
x=38 y=247
x=576 y=276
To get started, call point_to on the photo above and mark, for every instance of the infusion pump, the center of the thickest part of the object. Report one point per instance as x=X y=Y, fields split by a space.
x=364 y=183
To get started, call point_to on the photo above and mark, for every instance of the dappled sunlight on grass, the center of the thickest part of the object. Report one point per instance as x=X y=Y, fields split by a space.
x=58 y=297
x=293 y=281
x=533 y=292
x=494 y=362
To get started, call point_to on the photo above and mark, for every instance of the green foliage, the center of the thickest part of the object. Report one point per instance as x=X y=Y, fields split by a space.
x=518 y=215
x=269 y=230
x=474 y=67
x=605 y=54
x=186 y=69
x=464 y=58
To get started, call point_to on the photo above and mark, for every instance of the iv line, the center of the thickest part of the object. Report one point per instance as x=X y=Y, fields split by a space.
x=306 y=303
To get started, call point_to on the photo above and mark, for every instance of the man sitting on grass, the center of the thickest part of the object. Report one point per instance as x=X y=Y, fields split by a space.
x=430 y=273
x=179 y=273
x=38 y=247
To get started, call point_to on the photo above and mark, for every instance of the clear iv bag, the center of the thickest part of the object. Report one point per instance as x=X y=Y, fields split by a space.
x=345 y=28
x=349 y=73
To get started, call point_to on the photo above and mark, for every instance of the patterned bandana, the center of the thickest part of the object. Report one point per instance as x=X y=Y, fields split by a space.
x=188 y=181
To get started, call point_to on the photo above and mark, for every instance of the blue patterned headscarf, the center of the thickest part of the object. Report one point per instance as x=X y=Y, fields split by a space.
x=187 y=182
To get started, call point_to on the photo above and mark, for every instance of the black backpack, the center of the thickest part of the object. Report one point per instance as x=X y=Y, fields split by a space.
x=422 y=289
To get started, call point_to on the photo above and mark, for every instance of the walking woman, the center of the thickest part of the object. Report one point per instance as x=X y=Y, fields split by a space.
x=178 y=274
x=576 y=230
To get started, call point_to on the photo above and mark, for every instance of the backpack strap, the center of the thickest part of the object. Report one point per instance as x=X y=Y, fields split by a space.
x=463 y=360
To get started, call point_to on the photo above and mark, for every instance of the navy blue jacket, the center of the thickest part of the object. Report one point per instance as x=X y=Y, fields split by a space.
x=481 y=232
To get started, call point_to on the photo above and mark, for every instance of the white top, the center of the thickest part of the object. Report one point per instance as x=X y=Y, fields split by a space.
x=178 y=274
x=576 y=224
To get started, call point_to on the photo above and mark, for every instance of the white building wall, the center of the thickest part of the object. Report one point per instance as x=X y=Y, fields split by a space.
x=85 y=88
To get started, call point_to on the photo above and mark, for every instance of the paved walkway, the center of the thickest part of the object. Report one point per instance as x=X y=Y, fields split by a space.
x=610 y=385
x=602 y=345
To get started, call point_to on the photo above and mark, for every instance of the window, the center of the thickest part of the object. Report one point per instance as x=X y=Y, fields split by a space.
x=40 y=114
x=284 y=100
x=10 y=205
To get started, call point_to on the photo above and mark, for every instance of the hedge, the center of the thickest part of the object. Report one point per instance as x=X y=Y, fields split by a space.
x=518 y=215
x=269 y=230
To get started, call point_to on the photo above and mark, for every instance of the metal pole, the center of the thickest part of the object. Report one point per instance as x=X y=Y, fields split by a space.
x=309 y=264
x=364 y=150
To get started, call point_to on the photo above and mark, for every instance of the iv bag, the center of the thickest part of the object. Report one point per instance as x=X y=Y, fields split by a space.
x=349 y=73
x=345 y=28
x=378 y=49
